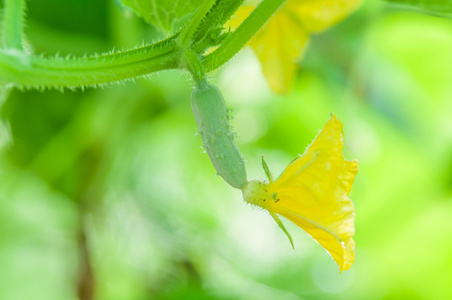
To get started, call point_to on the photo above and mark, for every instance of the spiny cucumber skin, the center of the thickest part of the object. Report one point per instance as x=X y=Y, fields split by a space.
x=213 y=123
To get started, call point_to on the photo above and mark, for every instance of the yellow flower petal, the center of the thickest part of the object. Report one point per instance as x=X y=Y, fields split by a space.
x=279 y=57
x=325 y=153
x=283 y=40
x=313 y=193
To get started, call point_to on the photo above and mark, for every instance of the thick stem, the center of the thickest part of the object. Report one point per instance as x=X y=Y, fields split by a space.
x=38 y=72
x=12 y=25
x=220 y=13
x=187 y=33
x=193 y=64
x=238 y=39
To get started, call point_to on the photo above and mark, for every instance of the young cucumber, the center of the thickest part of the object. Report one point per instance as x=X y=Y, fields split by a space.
x=212 y=118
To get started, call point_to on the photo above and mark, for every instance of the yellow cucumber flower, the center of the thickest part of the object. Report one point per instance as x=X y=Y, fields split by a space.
x=313 y=193
x=282 y=41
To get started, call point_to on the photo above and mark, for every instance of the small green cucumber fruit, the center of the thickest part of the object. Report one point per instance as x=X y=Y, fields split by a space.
x=212 y=118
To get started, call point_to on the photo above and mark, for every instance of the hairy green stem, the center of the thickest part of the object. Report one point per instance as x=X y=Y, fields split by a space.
x=38 y=72
x=187 y=32
x=26 y=71
x=220 y=13
x=238 y=39
x=194 y=66
x=12 y=25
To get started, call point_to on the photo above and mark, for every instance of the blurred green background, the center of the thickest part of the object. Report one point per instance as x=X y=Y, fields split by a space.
x=110 y=186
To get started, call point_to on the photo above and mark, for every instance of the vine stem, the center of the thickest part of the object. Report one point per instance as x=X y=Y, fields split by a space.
x=26 y=71
x=39 y=72
x=13 y=13
x=187 y=32
x=238 y=39
x=194 y=66
x=217 y=16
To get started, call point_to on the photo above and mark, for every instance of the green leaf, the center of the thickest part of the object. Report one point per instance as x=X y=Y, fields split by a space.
x=441 y=8
x=163 y=13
